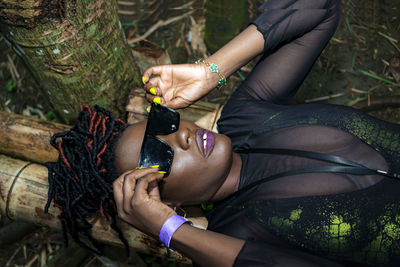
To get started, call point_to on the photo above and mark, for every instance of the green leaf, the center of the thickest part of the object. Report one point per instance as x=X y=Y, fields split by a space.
x=348 y=25
x=11 y=85
x=378 y=78
x=49 y=115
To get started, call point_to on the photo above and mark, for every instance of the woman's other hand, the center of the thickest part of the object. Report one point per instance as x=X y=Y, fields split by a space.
x=178 y=86
x=138 y=200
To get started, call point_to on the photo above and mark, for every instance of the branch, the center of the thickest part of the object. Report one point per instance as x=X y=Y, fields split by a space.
x=159 y=24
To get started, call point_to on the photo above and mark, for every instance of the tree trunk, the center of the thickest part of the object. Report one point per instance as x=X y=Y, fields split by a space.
x=224 y=20
x=75 y=49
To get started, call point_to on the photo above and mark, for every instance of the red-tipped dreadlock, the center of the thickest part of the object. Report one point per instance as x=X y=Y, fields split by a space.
x=80 y=182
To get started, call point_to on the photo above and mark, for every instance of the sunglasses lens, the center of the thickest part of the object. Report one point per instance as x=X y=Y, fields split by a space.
x=162 y=120
x=156 y=152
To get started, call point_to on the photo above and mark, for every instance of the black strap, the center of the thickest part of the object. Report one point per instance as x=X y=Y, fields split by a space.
x=349 y=167
x=304 y=154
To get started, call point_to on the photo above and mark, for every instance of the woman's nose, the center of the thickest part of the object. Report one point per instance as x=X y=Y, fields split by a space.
x=184 y=136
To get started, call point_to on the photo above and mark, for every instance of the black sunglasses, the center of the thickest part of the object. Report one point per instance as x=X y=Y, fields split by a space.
x=154 y=151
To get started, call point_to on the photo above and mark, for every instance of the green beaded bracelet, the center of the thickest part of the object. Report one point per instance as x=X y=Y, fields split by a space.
x=214 y=68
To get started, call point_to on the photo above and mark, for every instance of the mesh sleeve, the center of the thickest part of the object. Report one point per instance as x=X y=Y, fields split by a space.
x=295 y=34
x=260 y=254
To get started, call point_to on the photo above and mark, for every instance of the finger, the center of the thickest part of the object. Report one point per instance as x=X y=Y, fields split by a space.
x=118 y=193
x=151 y=98
x=153 y=86
x=129 y=184
x=128 y=190
x=136 y=174
x=153 y=190
x=177 y=103
x=154 y=70
x=155 y=99
x=143 y=185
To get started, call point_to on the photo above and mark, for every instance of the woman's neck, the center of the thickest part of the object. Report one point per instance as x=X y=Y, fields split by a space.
x=231 y=183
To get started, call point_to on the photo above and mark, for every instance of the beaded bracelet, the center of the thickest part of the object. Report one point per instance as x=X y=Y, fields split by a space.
x=214 y=68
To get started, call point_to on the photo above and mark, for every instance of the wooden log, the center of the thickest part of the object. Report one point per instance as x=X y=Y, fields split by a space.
x=23 y=194
x=28 y=138
x=148 y=54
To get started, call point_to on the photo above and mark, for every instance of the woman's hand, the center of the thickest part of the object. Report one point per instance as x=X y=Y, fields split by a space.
x=138 y=200
x=178 y=86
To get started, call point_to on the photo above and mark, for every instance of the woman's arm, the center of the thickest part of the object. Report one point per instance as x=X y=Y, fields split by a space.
x=138 y=202
x=180 y=85
x=238 y=52
x=208 y=248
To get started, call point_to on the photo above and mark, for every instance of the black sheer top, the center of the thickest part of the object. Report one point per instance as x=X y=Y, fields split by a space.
x=320 y=217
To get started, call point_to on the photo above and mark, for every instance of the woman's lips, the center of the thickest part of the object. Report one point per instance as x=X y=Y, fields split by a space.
x=205 y=142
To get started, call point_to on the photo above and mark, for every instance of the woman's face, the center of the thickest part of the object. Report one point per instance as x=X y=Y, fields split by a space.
x=196 y=173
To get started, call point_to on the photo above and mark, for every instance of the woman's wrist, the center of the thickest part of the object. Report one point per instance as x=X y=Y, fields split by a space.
x=170 y=226
x=239 y=51
x=213 y=72
x=211 y=79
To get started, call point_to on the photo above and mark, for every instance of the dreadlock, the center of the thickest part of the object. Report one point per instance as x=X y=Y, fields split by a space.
x=80 y=182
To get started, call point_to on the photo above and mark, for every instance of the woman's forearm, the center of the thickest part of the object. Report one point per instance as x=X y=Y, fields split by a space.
x=237 y=52
x=206 y=248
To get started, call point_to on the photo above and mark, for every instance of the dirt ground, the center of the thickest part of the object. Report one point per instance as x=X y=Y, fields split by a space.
x=359 y=68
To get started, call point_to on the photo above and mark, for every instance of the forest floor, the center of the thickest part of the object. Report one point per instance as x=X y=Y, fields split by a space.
x=359 y=68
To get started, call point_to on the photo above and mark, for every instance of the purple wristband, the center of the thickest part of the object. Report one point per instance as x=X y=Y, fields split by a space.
x=169 y=228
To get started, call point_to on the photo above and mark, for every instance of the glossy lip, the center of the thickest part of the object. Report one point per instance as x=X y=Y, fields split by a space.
x=209 y=143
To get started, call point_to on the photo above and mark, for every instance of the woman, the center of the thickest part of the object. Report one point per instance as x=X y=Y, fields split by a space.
x=263 y=217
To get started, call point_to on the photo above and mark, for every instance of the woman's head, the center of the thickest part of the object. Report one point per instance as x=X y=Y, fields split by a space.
x=196 y=173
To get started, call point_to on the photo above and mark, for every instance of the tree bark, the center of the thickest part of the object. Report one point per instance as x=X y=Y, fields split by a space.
x=75 y=49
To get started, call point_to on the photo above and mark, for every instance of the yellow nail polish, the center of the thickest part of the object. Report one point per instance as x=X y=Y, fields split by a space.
x=153 y=91
x=162 y=172
x=155 y=166
x=148 y=109
x=157 y=100
x=139 y=168
x=144 y=80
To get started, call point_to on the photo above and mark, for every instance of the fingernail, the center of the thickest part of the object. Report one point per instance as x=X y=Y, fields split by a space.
x=155 y=166
x=157 y=100
x=153 y=91
x=141 y=168
x=148 y=109
x=162 y=172
x=144 y=80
